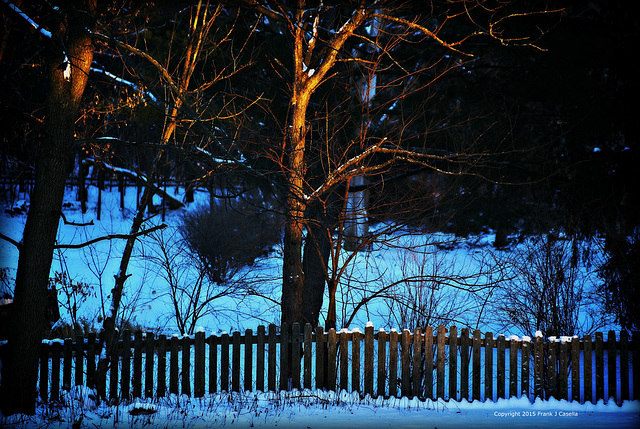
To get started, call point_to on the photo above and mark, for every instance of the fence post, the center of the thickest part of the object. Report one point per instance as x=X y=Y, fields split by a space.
x=186 y=365
x=612 y=364
x=271 y=364
x=308 y=340
x=198 y=365
x=149 y=372
x=162 y=365
x=564 y=369
x=500 y=376
x=588 y=369
x=488 y=366
x=382 y=363
x=393 y=363
x=406 y=363
x=137 y=364
x=624 y=366
x=368 y=359
x=224 y=362
x=599 y=368
x=285 y=355
x=213 y=363
x=575 y=369
x=331 y=359
x=260 y=358
x=464 y=364
x=173 y=366
x=475 y=377
x=344 y=359
x=453 y=363
x=440 y=358
x=248 y=360
x=538 y=367
x=426 y=389
x=125 y=383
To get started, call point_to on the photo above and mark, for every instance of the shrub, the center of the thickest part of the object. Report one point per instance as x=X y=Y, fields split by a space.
x=229 y=236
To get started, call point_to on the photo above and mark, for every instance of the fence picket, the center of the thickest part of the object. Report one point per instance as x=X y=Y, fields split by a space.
x=260 y=358
x=173 y=366
x=612 y=367
x=368 y=360
x=224 y=362
x=525 y=356
x=185 y=342
x=55 y=371
x=426 y=389
x=624 y=366
x=248 y=360
x=44 y=373
x=113 y=373
x=67 y=364
x=551 y=370
x=464 y=364
x=271 y=359
x=295 y=355
x=406 y=365
x=588 y=369
x=235 y=365
x=475 y=376
x=320 y=359
x=355 y=360
x=149 y=372
x=538 y=368
x=488 y=366
x=575 y=369
x=125 y=383
x=198 y=365
x=599 y=366
x=500 y=370
x=513 y=368
x=332 y=350
x=344 y=359
x=137 y=365
x=79 y=371
x=162 y=366
x=308 y=339
x=382 y=363
x=213 y=363
x=453 y=363
x=440 y=359
x=285 y=355
x=393 y=363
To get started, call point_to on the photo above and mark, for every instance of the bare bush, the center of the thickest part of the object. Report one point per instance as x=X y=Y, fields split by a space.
x=553 y=287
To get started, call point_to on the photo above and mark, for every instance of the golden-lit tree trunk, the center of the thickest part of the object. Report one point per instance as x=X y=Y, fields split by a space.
x=69 y=65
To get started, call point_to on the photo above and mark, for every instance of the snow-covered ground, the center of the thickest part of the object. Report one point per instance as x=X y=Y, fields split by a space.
x=319 y=409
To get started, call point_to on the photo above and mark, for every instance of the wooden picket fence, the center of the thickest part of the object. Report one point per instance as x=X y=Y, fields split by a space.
x=427 y=365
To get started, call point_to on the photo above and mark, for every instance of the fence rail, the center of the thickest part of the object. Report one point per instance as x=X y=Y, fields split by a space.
x=427 y=365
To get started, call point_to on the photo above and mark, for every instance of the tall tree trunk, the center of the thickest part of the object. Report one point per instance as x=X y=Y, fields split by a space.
x=68 y=77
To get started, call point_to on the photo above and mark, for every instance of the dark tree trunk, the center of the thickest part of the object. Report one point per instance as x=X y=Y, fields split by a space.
x=55 y=159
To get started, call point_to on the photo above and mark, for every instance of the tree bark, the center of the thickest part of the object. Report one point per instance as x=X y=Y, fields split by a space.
x=68 y=78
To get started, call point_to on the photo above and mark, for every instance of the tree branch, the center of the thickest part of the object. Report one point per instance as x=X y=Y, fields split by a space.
x=110 y=237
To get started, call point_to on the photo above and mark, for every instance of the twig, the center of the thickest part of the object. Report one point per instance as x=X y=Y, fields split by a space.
x=109 y=237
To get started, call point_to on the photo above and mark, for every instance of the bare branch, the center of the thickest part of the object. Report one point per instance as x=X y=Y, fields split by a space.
x=110 y=237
